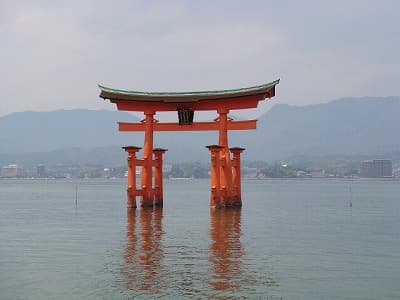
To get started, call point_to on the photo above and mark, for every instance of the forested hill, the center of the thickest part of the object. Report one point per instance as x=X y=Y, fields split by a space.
x=353 y=126
x=25 y=132
x=345 y=127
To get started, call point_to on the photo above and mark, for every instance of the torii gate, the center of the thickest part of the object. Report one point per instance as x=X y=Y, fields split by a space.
x=225 y=161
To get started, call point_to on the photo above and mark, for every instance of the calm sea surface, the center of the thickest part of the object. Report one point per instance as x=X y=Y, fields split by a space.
x=293 y=239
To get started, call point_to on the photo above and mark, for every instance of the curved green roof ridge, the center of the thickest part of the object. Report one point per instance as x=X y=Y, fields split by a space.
x=260 y=88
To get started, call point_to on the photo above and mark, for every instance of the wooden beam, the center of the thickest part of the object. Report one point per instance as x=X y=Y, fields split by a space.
x=197 y=126
x=243 y=102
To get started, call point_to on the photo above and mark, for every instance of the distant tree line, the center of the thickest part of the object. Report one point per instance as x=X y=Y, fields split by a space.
x=265 y=169
x=189 y=170
x=258 y=169
x=278 y=170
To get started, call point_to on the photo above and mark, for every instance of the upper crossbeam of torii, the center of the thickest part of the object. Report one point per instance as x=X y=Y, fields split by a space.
x=225 y=170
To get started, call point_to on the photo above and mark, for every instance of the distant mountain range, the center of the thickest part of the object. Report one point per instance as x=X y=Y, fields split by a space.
x=351 y=126
x=26 y=132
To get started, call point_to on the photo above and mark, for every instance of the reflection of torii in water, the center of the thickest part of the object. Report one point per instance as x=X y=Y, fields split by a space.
x=226 y=249
x=143 y=252
x=144 y=271
x=225 y=161
x=227 y=257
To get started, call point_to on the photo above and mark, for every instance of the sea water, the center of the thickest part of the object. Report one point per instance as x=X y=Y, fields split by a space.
x=292 y=239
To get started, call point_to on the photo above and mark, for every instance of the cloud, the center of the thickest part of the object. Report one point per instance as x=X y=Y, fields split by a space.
x=54 y=54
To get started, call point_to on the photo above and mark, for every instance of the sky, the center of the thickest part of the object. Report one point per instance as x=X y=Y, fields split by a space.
x=54 y=53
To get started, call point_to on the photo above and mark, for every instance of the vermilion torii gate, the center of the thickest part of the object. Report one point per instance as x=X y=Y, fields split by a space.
x=225 y=161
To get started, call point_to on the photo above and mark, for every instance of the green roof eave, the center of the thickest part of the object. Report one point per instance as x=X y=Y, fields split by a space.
x=117 y=94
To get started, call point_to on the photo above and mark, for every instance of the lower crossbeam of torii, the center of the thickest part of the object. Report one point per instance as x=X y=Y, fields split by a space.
x=225 y=183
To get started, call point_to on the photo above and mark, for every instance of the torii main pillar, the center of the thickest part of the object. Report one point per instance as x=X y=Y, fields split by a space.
x=147 y=176
x=225 y=162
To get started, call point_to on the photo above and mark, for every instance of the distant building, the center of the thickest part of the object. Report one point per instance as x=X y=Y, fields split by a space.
x=10 y=171
x=41 y=170
x=377 y=168
x=396 y=173
x=318 y=173
x=303 y=174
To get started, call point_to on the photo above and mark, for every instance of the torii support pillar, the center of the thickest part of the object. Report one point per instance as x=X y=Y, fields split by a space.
x=215 y=196
x=236 y=176
x=158 y=178
x=131 y=191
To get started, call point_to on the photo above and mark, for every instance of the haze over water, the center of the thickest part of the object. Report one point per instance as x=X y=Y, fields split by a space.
x=293 y=239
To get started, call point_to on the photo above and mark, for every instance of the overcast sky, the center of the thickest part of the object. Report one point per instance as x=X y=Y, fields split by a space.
x=54 y=53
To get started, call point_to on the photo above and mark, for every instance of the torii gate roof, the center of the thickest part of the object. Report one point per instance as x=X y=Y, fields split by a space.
x=115 y=95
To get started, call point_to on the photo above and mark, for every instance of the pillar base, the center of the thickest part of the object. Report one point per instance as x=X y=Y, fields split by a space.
x=158 y=203
x=131 y=199
x=233 y=202
x=147 y=204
